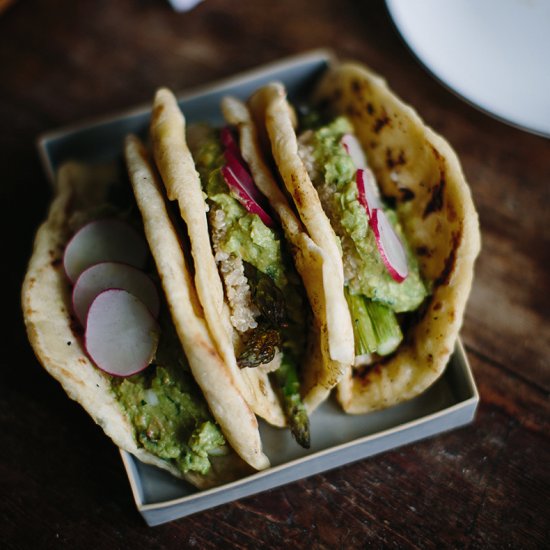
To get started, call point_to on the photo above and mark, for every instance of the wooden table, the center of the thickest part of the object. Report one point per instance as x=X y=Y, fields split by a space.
x=62 y=481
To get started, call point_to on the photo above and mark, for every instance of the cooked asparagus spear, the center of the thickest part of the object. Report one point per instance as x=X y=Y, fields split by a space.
x=384 y=321
x=295 y=411
x=375 y=326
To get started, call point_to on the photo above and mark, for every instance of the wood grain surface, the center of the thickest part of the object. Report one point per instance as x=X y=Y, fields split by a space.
x=482 y=486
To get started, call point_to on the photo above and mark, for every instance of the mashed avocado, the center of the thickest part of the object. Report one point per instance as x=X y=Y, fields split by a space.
x=365 y=270
x=246 y=235
x=167 y=410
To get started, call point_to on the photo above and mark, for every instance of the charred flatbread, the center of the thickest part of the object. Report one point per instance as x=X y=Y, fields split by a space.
x=419 y=175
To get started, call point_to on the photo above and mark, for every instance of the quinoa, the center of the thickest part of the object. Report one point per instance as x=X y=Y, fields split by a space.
x=243 y=310
x=353 y=264
x=237 y=290
x=307 y=153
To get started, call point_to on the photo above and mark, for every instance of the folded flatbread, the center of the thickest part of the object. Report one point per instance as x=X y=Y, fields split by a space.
x=229 y=408
x=82 y=194
x=418 y=172
x=316 y=255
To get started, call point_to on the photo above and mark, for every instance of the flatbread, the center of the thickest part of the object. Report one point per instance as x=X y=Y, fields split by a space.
x=319 y=373
x=181 y=180
x=421 y=172
x=53 y=333
x=177 y=169
x=284 y=146
x=214 y=377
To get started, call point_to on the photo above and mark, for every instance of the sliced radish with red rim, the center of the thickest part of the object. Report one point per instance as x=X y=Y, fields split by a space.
x=240 y=181
x=107 y=240
x=121 y=334
x=105 y=275
x=389 y=245
x=368 y=194
x=355 y=151
x=229 y=141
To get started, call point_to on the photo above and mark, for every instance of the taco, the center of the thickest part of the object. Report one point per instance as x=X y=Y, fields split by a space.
x=377 y=188
x=330 y=348
x=170 y=414
x=237 y=220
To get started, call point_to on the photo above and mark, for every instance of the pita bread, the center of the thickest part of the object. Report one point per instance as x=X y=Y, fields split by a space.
x=420 y=171
x=56 y=338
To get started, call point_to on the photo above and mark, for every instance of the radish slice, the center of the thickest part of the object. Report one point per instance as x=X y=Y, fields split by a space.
x=236 y=164
x=108 y=240
x=240 y=181
x=121 y=334
x=354 y=150
x=102 y=276
x=390 y=247
x=229 y=141
x=369 y=197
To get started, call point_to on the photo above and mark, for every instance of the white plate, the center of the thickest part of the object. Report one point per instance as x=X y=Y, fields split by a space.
x=493 y=53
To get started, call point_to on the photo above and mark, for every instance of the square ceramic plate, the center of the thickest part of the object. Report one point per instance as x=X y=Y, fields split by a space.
x=337 y=438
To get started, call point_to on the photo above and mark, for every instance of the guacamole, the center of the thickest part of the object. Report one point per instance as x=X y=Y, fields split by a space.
x=167 y=410
x=366 y=273
x=246 y=235
x=374 y=297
